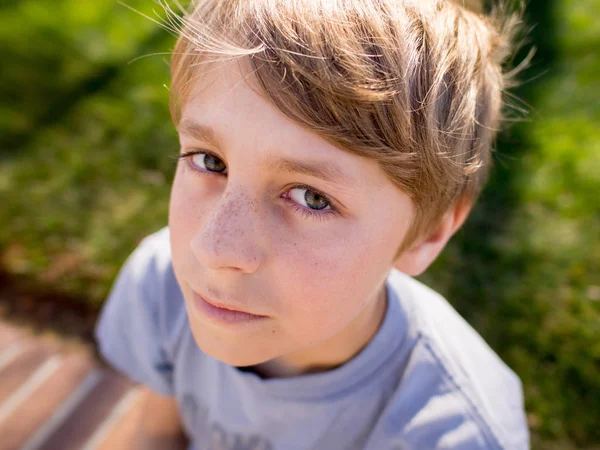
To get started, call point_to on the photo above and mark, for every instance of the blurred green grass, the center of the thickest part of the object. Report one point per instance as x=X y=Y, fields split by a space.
x=85 y=168
x=86 y=139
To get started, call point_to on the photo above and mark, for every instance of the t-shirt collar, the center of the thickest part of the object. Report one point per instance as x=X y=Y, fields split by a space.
x=360 y=370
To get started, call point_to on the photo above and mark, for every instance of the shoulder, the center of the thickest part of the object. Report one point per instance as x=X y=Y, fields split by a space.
x=464 y=385
x=145 y=304
x=152 y=255
x=152 y=271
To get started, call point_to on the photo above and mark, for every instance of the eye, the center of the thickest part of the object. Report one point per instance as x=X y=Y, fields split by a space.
x=205 y=162
x=309 y=198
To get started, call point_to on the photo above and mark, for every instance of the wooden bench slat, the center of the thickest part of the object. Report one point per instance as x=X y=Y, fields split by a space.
x=121 y=434
x=8 y=335
x=81 y=424
x=41 y=404
x=16 y=372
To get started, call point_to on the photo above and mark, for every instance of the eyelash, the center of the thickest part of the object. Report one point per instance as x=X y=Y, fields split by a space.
x=304 y=212
x=186 y=156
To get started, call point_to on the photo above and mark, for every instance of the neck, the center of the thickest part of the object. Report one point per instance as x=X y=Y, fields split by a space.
x=333 y=352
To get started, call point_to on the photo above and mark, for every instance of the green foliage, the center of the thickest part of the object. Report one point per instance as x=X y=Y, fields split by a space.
x=85 y=138
x=85 y=169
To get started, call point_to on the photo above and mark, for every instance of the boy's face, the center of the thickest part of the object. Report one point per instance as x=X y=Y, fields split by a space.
x=271 y=219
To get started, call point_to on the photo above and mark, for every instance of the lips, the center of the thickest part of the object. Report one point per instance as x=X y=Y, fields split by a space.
x=225 y=315
x=225 y=306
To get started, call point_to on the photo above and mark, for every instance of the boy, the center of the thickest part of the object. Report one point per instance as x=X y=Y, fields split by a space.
x=329 y=150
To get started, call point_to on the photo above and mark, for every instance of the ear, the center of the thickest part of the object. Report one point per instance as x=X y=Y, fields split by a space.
x=417 y=258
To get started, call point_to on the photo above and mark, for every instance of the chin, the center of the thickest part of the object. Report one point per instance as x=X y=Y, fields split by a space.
x=229 y=352
x=235 y=359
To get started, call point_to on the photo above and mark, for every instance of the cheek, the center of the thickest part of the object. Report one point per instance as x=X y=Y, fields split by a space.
x=179 y=204
x=327 y=278
x=185 y=213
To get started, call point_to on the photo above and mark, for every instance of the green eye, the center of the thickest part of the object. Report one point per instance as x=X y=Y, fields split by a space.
x=309 y=198
x=314 y=200
x=208 y=162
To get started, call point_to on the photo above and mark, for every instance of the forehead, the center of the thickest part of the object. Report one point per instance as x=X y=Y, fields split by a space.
x=227 y=97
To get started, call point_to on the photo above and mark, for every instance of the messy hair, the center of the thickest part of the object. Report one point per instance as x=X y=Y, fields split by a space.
x=416 y=85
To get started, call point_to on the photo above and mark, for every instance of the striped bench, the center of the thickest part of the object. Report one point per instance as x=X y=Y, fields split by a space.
x=56 y=395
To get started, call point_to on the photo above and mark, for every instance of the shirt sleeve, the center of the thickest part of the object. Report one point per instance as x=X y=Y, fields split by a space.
x=128 y=331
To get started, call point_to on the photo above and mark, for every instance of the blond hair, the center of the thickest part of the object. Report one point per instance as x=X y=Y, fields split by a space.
x=413 y=84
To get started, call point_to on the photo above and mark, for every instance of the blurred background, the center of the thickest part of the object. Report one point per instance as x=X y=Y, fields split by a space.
x=86 y=147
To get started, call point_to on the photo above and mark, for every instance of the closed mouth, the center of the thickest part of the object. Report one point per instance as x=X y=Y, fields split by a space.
x=226 y=306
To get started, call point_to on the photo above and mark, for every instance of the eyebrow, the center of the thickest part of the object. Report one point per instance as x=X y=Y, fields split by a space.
x=319 y=169
x=201 y=133
x=324 y=170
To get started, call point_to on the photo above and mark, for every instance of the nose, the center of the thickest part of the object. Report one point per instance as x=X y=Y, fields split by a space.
x=228 y=238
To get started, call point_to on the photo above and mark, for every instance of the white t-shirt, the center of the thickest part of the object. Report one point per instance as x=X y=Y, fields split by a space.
x=425 y=381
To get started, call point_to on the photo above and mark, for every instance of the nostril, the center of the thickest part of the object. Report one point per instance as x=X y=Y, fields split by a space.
x=226 y=242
